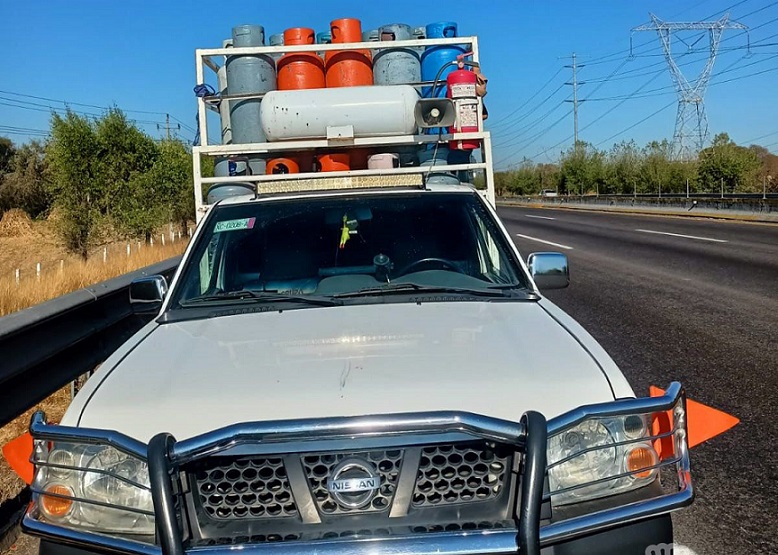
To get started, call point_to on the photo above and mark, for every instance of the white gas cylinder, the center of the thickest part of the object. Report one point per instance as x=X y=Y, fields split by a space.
x=376 y=111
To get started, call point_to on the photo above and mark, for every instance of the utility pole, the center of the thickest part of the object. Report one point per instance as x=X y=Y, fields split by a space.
x=574 y=66
x=167 y=126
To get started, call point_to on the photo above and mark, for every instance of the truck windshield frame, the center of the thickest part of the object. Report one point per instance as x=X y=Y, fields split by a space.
x=324 y=247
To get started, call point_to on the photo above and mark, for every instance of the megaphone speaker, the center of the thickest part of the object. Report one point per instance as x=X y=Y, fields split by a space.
x=434 y=112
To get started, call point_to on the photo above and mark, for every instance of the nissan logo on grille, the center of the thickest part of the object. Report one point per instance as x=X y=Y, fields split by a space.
x=354 y=483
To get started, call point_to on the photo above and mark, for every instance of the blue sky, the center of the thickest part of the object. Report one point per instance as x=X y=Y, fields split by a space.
x=138 y=55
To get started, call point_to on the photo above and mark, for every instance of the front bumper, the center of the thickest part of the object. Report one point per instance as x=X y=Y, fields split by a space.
x=528 y=536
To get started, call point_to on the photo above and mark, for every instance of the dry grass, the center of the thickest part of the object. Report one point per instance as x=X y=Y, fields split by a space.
x=15 y=223
x=77 y=274
x=71 y=275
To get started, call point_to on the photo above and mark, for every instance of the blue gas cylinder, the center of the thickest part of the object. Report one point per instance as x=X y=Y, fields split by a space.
x=396 y=66
x=435 y=57
x=325 y=37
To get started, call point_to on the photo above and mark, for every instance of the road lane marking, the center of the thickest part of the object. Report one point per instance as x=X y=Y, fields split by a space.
x=539 y=217
x=544 y=242
x=684 y=236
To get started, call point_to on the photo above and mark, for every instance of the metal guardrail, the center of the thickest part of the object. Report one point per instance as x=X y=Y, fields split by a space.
x=45 y=347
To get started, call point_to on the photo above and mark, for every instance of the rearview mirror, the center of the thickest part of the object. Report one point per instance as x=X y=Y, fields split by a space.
x=147 y=294
x=549 y=270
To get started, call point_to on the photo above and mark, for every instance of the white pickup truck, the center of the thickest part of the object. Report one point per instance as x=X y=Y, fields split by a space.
x=351 y=365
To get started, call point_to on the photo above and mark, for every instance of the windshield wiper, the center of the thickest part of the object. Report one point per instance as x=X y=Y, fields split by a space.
x=394 y=288
x=259 y=296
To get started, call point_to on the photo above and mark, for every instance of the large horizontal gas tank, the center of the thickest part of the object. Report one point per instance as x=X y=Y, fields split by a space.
x=371 y=110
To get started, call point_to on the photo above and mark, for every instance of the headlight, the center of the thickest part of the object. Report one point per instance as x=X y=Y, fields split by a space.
x=93 y=487
x=600 y=457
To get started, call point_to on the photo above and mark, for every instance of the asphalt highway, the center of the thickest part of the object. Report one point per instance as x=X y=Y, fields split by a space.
x=694 y=301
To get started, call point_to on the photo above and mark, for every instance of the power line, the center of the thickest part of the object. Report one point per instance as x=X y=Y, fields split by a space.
x=513 y=140
x=651 y=79
x=67 y=103
x=662 y=109
x=541 y=133
x=507 y=131
x=501 y=121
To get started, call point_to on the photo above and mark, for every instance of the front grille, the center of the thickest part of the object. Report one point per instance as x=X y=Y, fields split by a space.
x=460 y=474
x=244 y=488
x=285 y=497
x=319 y=468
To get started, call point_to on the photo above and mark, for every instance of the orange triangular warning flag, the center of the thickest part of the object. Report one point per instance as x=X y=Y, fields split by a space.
x=18 y=453
x=703 y=422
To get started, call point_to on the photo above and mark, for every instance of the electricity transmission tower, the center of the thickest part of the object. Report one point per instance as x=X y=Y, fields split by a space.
x=691 y=123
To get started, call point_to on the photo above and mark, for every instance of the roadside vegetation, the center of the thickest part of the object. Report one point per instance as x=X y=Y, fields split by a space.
x=104 y=178
x=628 y=169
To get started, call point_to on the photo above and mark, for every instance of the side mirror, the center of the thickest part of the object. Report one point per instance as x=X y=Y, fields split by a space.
x=147 y=294
x=549 y=270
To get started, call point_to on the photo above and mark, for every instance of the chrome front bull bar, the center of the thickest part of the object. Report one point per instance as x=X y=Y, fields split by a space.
x=529 y=436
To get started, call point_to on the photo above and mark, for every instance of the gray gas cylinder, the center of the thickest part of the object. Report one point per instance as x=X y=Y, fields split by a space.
x=219 y=191
x=224 y=107
x=276 y=40
x=431 y=158
x=248 y=75
x=370 y=36
x=419 y=33
x=396 y=66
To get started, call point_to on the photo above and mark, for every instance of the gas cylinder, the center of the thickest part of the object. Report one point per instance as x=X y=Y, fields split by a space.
x=347 y=68
x=276 y=40
x=370 y=36
x=419 y=33
x=435 y=57
x=461 y=89
x=248 y=75
x=437 y=157
x=219 y=191
x=300 y=70
x=333 y=162
x=325 y=37
x=282 y=165
x=370 y=111
x=395 y=66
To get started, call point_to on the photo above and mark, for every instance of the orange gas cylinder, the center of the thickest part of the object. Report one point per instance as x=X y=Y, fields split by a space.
x=301 y=70
x=334 y=162
x=282 y=165
x=347 y=68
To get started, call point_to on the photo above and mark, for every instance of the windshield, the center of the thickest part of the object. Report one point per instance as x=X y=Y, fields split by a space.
x=312 y=249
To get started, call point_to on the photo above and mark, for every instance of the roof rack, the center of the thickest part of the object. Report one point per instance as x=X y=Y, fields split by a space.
x=214 y=60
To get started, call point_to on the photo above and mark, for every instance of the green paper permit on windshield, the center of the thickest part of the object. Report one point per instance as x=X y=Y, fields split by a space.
x=234 y=225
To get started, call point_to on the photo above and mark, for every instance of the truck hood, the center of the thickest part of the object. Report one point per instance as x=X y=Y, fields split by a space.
x=492 y=358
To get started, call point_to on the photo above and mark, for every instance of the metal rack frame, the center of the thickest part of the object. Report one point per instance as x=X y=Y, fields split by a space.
x=211 y=58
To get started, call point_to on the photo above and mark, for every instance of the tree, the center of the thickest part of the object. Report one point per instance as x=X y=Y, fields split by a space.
x=726 y=164
x=73 y=152
x=655 y=173
x=161 y=194
x=623 y=166
x=7 y=152
x=27 y=185
x=123 y=151
x=582 y=169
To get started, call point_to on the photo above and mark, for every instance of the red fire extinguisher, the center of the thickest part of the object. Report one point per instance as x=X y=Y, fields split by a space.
x=461 y=89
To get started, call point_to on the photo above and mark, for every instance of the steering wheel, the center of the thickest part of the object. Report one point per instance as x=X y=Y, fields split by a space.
x=447 y=264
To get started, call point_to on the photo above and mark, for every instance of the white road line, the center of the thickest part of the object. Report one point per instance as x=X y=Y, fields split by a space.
x=545 y=242
x=684 y=236
x=539 y=217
